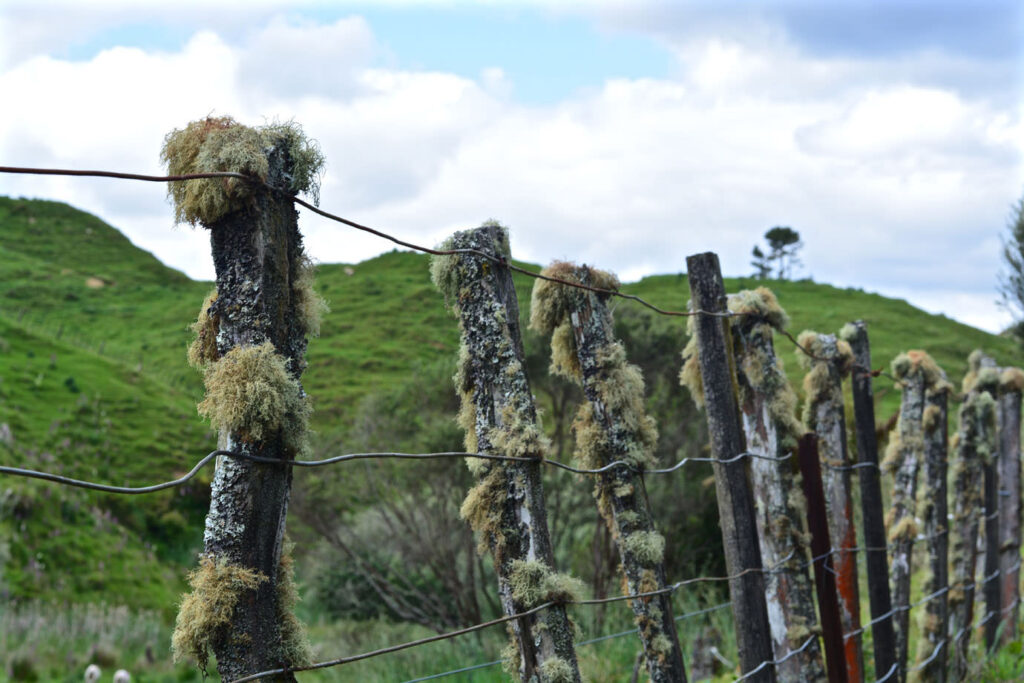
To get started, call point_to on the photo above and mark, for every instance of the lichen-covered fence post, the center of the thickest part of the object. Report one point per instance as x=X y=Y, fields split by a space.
x=829 y=362
x=612 y=425
x=975 y=443
x=767 y=409
x=876 y=556
x=991 y=584
x=933 y=646
x=506 y=506
x=1011 y=382
x=251 y=344
x=718 y=392
x=904 y=455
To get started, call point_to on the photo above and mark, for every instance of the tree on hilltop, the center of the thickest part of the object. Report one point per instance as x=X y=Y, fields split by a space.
x=1011 y=279
x=783 y=245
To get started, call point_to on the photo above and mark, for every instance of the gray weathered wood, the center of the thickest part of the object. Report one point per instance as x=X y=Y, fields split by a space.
x=257 y=252
x=766 y=407
x=904 y=456
x=1010 y=497
x=824 y=414
x=871 y=499
x=976 y=441
x=735 y=502
x=933 y=648
x=507 y=505
x=613 y=426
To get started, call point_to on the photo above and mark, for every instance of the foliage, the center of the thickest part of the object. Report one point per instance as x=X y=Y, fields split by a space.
x=782 y=259
x=1011 y=278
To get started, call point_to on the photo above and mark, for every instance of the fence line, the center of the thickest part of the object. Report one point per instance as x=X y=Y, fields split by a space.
x=783 y=565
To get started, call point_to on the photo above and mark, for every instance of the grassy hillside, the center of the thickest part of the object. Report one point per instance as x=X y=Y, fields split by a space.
x=94 y=384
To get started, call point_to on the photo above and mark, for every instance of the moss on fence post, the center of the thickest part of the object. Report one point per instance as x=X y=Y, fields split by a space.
x=250 y=345
x=612 y=425
x=829 y=362
x=768 y=412
x=506 y=506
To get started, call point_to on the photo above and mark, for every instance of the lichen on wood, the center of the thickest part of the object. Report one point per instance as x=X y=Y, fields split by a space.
x=612 y=425
x=918 y=374
x=768 y=413
x=203 y=349
x=506 y=506
x=828 y=361
x=976 y=443
x=218 y=144
x=1011 y=383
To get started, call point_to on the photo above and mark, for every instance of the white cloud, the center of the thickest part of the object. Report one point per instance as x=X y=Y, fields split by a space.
x=894 y=185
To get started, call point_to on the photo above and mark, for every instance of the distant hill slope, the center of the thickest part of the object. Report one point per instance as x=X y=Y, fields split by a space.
x=93 y=382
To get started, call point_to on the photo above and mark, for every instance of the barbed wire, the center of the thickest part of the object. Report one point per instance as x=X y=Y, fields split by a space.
x=137 y=490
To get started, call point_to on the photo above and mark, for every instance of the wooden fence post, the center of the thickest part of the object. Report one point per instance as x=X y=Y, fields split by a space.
x=251 y=343
x=506 y=507
x=904 y=455
x=830 y=361
x=992 y=588
x=1011 y=381
x=877 y=562
x=735 y=502
x=933 y=649
x=976 y=440
x=612 y=426
x=767 y=405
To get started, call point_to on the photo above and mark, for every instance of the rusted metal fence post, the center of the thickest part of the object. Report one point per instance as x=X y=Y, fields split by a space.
x=767 y=404
x=612 y=426
x=251 y=344
x=821 y=547
x=933 y=648
x=735 y=502
x=1011 y=382
x=506 y=507
x=975 y=442
x=904 y=455
x=829 y=362
x=877 y=562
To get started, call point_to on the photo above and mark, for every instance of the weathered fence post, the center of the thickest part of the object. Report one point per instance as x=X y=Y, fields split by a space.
x=904 y=455
x=506 y=507
x=251 y=344
x=829 y=362
x=877 y=562
x=992 y=588
x=975 y=443
x=735 y=502
x=933 y=648
x=821 y=549
x=767 y=405
x=612 y=426
x=1011 y=382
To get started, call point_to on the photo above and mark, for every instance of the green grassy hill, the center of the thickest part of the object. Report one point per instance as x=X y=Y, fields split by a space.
x=94 y=384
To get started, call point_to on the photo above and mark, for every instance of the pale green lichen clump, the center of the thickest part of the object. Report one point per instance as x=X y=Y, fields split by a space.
x=534 y=583
x=250 y=391
x=203 y=349
x=216 y=589
x=295 y=648
x=217 y=144
x=309 y=306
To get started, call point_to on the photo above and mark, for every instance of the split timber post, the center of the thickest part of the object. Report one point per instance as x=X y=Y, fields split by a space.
x=612 y=426
x=933 y=648
x=830 y=361
x=1011 y=381
x=856 y=333
x=767 y=404
x=992 y=586
x=506 y=507
x=251 y=344
x=904 y=455
x=735 y=501
x=975 y=442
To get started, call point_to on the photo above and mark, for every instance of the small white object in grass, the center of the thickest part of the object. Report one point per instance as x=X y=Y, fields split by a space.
x=122 y=676
x=92 y=673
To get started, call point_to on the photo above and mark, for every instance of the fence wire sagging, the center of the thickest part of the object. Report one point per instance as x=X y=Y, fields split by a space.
x=746 y=577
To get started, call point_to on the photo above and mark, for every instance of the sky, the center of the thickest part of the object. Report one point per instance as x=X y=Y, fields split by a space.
x=888 y=133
